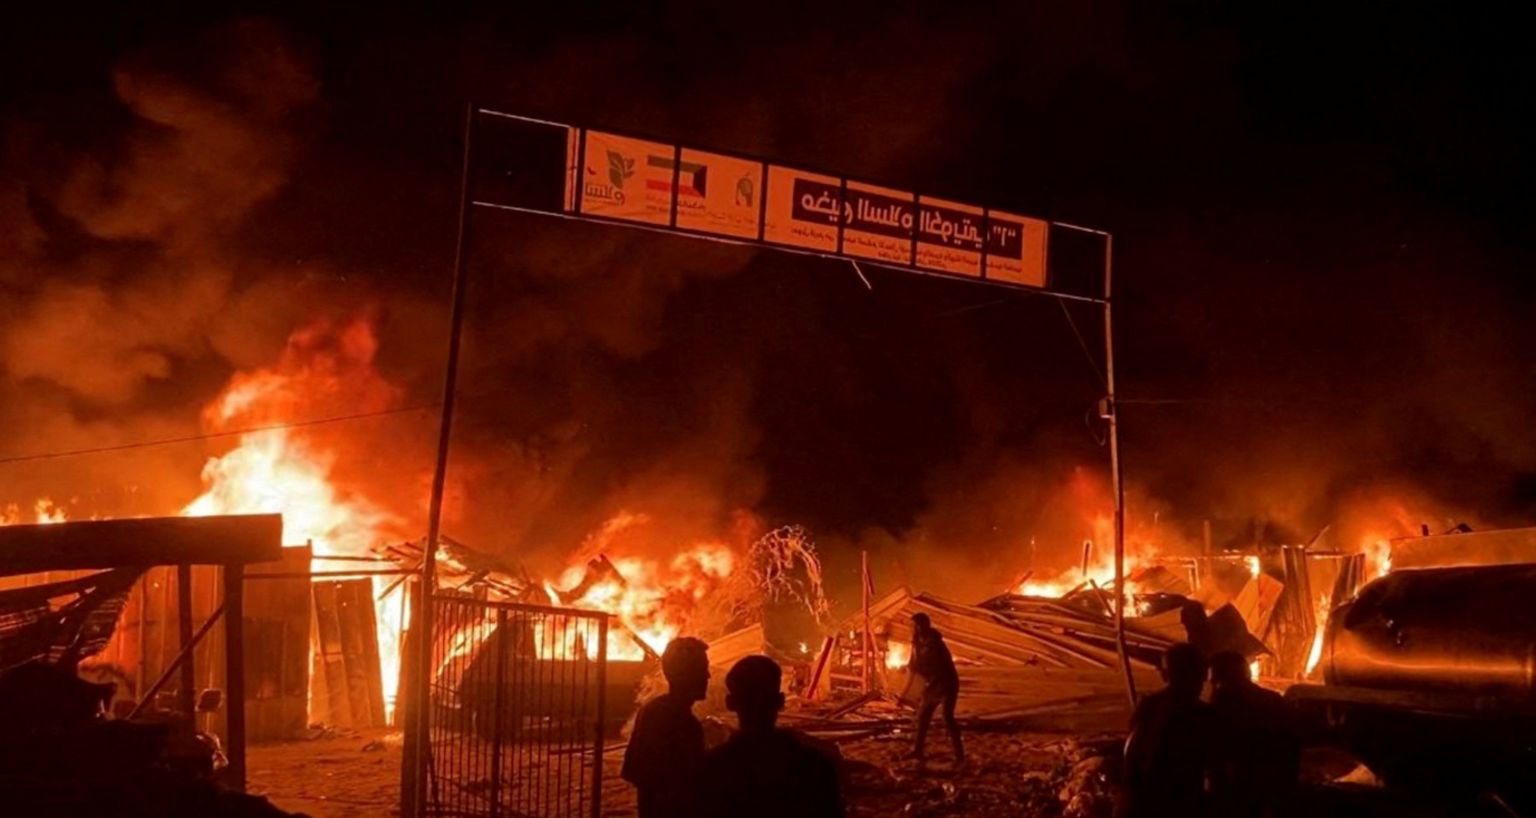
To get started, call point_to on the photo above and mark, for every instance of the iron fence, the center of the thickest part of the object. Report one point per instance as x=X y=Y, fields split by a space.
x=515 y=725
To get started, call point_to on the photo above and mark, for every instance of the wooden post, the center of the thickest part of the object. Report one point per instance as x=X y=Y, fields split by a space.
x=234 y=672
x=187 y=696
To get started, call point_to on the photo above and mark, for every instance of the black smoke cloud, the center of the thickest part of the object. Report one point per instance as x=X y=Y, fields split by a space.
x=1320 y=300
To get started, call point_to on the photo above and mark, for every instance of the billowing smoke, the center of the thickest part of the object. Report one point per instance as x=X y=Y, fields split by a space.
x=123 y=305
x=231 y=199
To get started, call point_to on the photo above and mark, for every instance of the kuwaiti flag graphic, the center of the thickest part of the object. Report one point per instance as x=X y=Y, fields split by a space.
x=691 y=176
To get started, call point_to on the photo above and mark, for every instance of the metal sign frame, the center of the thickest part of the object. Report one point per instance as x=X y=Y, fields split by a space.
x=414 y=771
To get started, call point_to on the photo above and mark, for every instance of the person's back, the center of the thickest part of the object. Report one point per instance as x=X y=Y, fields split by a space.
x=1259 y=753
x=763 y=770
x=665 y=755
x=1169 y=751
x=769 y=774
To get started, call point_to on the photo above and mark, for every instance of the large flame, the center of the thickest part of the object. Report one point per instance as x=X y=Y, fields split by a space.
x=324 y=369
x=1098 y=569
x=654 y=600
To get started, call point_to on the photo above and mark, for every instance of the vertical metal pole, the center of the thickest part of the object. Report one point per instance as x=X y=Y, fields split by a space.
x=234 y=671
x=503 y=638
x=602 y=701
x=416 y=802
x=869 y=642
x=186 y=697
x=1116 y=476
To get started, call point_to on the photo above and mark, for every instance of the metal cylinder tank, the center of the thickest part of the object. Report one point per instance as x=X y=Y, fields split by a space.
x=1469 y=631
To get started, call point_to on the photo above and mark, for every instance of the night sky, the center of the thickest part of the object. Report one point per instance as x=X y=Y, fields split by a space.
x=1321 y=272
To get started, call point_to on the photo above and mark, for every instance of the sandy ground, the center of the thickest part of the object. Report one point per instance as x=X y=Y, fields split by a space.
x=348 y=774
x=342 y=774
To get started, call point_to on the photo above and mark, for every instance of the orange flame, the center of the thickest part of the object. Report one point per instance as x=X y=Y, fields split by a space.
x=1378 y=556
x=1100 y=568
x=653 y=601
x=1320 y=616
x=897 y=655
x=287 y=472
x=44 y=511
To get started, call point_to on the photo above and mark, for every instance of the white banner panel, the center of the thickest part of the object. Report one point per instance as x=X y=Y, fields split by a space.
x=624 y=178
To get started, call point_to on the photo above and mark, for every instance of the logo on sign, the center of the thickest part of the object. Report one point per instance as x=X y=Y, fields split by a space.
x=620 y=169
x=744 y=191
x=692 y=177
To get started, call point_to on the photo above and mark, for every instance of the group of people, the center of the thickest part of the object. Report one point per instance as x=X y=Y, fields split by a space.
x=761 y=770
x=1236 y=755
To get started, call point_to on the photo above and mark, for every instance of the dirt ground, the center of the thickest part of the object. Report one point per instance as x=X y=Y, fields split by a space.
x=352 y=774
x=338 y=774
x=355 y=774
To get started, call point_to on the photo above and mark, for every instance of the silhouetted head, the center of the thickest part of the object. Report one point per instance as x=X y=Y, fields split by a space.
x=1229 y=671
x=685 y=663
x=921 y=623
x=752 y=692
x=1184 y=669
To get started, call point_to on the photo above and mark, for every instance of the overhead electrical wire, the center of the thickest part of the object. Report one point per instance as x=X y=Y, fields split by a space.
x=215 y=435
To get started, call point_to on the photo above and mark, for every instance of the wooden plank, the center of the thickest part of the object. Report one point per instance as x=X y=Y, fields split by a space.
x=277 y=637
x=231 y=539
x=359 y=651
x=373 y=673
x=328 y=654
x=319 y=680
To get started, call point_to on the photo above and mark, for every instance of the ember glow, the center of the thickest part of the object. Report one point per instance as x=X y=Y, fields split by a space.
x=897 y=655
x=1378 y=557
x=43 y=511
x=1320 y=616
x=1099 y=567
x=653 y=600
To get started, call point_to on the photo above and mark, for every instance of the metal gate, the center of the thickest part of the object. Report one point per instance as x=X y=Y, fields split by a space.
x=515 y=725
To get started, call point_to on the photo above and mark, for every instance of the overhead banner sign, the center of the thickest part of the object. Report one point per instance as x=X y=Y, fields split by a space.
x=619 y=177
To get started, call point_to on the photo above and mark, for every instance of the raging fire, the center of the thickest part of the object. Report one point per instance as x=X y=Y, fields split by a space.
x=278 y=470
x=653 y=600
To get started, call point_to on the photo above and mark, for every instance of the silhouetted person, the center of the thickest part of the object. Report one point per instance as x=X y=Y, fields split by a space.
x=1260 y=752
x=932 y=663
x=763 y=770
x=666 y=749
x=1169 y=753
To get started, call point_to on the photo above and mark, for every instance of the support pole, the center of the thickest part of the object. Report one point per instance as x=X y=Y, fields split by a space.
x=186 y=697
x=413 y=790
x=234 y=671
x=1117 y=479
